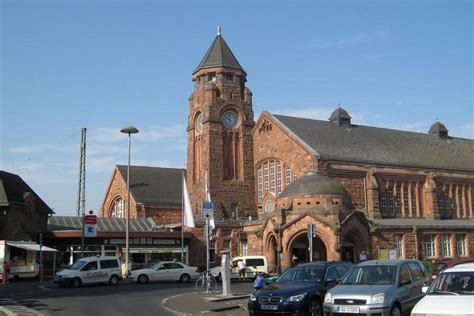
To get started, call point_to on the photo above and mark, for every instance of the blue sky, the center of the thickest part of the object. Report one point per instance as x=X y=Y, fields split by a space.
x=106 y=64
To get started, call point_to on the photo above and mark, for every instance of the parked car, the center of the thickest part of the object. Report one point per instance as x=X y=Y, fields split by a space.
x=452 y=293
x=441 y=265
x=165 y=271
x=299 y=290
x=254 y=265
x=378 y=287
x=91 y=270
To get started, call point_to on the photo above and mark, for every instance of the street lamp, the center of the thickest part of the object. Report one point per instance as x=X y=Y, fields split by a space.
x=128 y=130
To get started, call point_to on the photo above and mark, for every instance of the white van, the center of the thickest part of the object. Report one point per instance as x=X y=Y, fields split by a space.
x=91 y=270
x=254 y=264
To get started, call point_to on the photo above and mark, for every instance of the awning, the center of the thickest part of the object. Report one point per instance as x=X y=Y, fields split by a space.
x=29 y=246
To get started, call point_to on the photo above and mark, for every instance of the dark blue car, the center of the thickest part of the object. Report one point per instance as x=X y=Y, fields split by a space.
x=299 y=290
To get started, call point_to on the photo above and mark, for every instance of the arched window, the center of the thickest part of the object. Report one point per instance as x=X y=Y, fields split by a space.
x=270 y=178
x=118 y=208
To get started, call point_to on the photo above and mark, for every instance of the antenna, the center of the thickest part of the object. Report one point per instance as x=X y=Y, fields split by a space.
x=81 y=194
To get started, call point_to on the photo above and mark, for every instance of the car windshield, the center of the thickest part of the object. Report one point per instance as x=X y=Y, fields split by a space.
x=154 y=265
x=371 y=275
x=79 y=264
x=453 y=283
x=439 y=266
x=306 y=274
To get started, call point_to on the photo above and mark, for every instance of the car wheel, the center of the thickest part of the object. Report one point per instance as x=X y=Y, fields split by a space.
x=142 y=279
x=185 y=278
x=114 y=280
x=315 y=309
x=76 y=282
x=395 y=311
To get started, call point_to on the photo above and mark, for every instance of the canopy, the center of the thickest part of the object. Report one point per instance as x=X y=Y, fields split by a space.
x=29 y=246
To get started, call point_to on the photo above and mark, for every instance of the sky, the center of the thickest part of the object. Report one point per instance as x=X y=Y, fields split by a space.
x=102 y=65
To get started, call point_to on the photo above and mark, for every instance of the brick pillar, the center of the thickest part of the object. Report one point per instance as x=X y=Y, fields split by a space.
x=430 y=197
x=373 y=208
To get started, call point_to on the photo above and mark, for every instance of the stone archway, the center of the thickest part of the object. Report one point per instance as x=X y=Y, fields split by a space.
x=352 y=244
x=272 y=254
x=299 y=248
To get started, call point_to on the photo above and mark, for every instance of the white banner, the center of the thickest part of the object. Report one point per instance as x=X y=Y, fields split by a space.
x=90 y=230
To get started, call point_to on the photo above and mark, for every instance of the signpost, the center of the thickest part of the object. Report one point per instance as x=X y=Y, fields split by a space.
x=207 y=209
x=89 y=228
x=311 y=235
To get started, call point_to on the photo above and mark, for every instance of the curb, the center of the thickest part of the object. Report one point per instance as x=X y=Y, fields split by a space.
x=166 y=305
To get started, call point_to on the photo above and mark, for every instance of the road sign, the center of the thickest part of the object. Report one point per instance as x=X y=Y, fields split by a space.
x=207 y=209
x=90 y=230
x=90 y=219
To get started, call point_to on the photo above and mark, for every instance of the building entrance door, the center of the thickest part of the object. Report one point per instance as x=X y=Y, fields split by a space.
x=300 y=245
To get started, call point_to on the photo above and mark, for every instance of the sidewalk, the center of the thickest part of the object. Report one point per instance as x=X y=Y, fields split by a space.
x=198 y=304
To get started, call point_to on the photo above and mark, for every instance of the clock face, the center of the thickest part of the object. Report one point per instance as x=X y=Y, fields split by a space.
x=199 y=121
x=230 y=119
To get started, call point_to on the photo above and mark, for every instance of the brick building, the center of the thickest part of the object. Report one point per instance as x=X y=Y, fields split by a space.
x=23 y=214
x=365 y=188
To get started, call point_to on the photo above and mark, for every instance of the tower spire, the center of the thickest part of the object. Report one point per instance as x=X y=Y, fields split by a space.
x=219 y=31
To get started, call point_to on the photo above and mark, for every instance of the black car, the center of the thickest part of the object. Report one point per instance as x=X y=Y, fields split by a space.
x=299 y=290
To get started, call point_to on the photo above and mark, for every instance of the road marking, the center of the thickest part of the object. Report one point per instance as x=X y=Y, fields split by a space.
x=44 y=288
x=6 y=311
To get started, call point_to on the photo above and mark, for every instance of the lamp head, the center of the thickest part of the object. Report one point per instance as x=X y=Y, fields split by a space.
x=130 y=129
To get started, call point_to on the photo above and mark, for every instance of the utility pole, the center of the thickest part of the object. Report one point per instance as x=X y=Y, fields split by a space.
x=81 y=194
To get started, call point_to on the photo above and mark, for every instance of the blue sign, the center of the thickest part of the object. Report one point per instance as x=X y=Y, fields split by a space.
x=207 y=206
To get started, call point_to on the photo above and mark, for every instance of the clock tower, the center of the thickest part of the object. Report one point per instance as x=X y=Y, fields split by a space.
x=220 y=143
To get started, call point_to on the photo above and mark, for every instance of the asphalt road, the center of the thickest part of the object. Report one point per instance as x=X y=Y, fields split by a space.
x=34 y=298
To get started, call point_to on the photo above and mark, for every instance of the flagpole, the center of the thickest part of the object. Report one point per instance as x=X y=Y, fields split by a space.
x=182 y=219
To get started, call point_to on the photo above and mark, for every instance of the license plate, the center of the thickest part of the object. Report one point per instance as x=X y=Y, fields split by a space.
x=269 y=307
x=348 y=309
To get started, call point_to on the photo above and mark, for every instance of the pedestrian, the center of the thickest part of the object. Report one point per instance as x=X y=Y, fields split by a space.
x=362 y=256
x=6 y=271
x=294 y=261
x=242 y=267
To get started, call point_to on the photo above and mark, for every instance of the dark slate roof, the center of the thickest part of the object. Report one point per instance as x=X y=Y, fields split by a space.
x=421 y=223
x=313 y=183
x=104 y=224
x=366 y=144
x=154 y=185
x=219 y=55
x=12 y=189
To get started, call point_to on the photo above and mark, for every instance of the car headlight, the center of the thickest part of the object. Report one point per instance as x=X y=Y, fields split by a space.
x=296 y=298
x=252 y=298
x=328 y=298
x=377 y=298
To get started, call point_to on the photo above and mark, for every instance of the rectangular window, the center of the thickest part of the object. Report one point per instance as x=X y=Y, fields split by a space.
x=260 y=184
x=265 y=178
x=446 y=246
x=461 y=245
x=272 y=176
x=405 y=200
x=226 y=244
x=391 y=202
x=383 y=202
x=288 y=175
x=109 y=264
x=430 y=246
x=245 y=248
x=399 y=246
x=279 y=186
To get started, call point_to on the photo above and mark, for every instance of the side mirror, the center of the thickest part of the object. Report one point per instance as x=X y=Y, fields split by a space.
x=424 y=289
x=331 y=281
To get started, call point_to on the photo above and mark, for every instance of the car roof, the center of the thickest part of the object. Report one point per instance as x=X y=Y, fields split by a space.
x=385 y=262
x=322 y=263
x=454 y=261
x=464 y=267
x=98 y=258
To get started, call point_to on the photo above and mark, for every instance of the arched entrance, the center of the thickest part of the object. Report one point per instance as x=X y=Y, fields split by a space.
x=299 y=249
x=352 y=245
x=272 y=254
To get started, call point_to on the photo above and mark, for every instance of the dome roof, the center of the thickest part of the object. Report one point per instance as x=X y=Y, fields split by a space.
x=313 y=183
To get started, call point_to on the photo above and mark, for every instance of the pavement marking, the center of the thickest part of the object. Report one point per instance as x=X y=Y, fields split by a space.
x=6 y=311
x=163 y=304
x=44 y=288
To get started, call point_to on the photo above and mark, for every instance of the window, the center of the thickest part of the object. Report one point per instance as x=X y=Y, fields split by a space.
x=269 y=207
x=118 y=208
x=446 y=246
x=399 y=246
x=404 y=274
x=430 y=246
x=226 y=244
x=461 y=245
x=331 y=273
x=245 y=248
x=288 y=175
x=108 y=264
x=90 y=266
x=416 y=271
x=255 y=262
x=445 y=204
x=269 y=178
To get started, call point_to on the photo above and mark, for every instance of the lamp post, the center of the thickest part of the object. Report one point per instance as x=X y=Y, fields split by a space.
x=128 y=130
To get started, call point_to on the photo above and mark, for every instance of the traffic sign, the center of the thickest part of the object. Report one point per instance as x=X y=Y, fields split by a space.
x=207 y=209
x=90 y=219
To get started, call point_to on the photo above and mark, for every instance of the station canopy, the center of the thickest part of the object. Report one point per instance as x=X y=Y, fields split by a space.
x=29 y=246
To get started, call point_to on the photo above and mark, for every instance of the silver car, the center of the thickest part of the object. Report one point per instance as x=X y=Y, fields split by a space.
x=378 y=288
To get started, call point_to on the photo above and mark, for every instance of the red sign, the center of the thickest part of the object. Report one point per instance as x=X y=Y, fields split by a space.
x=90 y=219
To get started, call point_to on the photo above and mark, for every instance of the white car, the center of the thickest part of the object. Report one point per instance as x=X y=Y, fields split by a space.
x=254 y=265
x=452 y=293
x=165 y=271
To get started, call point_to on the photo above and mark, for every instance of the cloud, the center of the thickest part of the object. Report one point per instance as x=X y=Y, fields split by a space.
x=350 y=40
